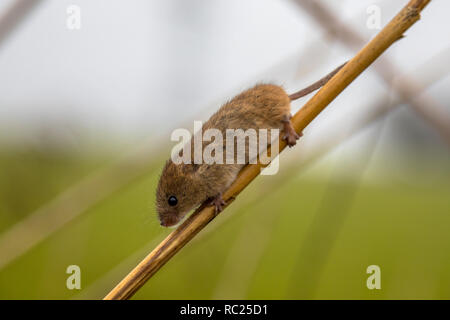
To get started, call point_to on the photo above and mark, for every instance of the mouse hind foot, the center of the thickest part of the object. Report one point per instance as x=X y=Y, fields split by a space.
x=290 y=135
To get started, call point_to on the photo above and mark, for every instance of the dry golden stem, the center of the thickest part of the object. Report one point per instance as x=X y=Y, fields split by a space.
x=380 y=108
x=199 y=219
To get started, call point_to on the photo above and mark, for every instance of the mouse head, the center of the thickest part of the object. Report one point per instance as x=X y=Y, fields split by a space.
x=178 y=192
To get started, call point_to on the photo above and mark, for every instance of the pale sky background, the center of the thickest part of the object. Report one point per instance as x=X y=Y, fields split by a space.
x=141 y=67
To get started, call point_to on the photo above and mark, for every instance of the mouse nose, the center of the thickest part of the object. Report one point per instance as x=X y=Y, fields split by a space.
x=163 y=223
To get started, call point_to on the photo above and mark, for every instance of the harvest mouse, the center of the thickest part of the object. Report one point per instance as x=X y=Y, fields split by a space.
x=183 y=187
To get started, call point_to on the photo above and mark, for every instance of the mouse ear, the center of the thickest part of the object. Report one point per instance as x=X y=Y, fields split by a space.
x=190 y=168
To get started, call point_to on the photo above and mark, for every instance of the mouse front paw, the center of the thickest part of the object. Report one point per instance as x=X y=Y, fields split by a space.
x=218 y=203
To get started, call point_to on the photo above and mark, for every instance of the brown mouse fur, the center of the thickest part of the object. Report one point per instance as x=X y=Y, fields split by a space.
x=265 y=106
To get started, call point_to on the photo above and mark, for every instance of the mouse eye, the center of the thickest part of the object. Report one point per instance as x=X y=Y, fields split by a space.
x=172 y=201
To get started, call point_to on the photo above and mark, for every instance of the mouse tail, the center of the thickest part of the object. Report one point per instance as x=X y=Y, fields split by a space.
x=316 y=85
